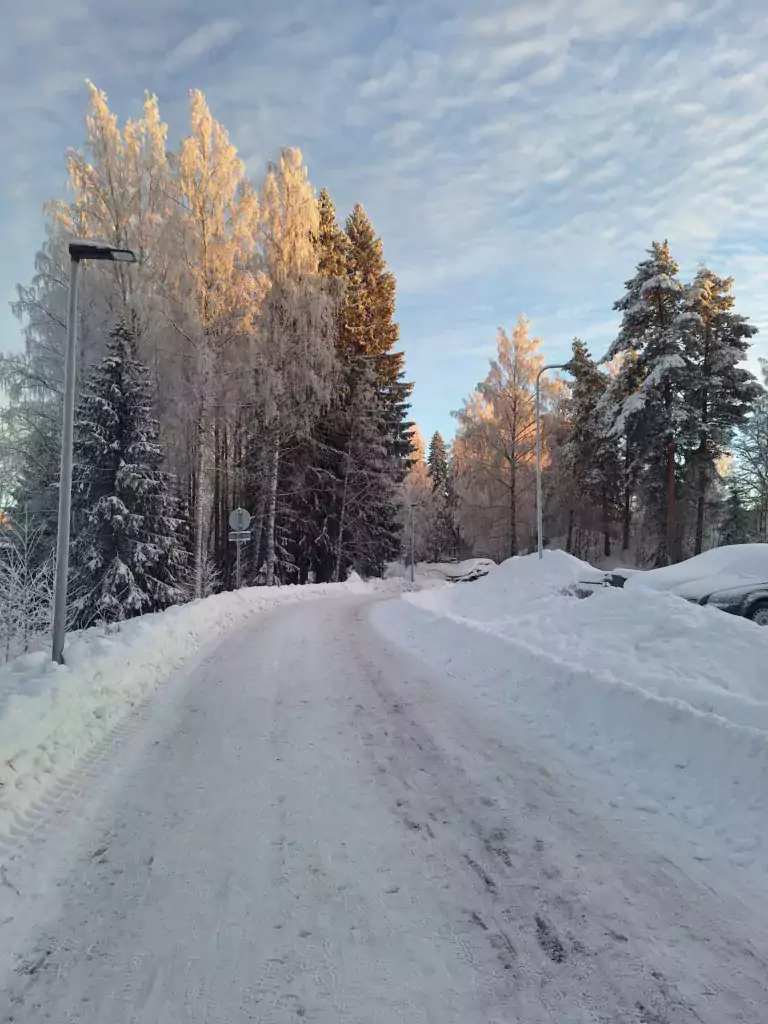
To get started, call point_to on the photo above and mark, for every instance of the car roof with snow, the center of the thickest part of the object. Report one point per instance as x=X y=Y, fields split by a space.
x=735 y=566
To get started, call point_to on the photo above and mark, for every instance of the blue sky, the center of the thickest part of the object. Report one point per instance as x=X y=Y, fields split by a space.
x=514 y=157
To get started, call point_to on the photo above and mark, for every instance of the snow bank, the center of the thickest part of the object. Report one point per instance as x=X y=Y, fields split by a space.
x=667 y=699
x=51 y=715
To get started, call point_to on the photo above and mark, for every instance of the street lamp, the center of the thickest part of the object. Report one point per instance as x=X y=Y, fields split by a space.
x=539 y=510
x=78 y=250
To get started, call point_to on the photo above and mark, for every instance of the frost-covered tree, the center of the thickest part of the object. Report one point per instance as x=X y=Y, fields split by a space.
x=26 y=584
x=297 y=327
x=720 y=391
x=213 y=290
x=495 y=444
x=656 y=413
x=127 y=547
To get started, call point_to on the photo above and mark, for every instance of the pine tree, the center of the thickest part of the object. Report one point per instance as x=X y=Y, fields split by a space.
x=734 y=527
x=591 y=454
x=657 y=411
x=721 y=392
x=127 y=548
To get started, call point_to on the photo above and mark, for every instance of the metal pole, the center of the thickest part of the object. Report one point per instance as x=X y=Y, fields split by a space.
x=238 y=565
x=413 y=548
x=65 y=475
x=539 y=506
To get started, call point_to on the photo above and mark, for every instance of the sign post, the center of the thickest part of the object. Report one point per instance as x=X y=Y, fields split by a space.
x=239 y=521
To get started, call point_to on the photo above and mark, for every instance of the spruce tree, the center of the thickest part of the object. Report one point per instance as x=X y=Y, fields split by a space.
x=720 y=391
x=127 y=550
x=591 y=454
x=330 y=240
x=437 y=461
x=354 y=507
x=657 y=412
x=370 y=326
x=442 y=533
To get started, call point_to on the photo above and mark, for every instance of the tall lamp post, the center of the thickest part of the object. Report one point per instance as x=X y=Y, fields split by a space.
x=78 y=251
x=539 y=509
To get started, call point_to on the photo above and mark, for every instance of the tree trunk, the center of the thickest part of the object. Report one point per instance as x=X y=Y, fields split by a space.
x=226 y=502
x=271 y=512
x=216 y=490
x=342 y=520
x=199 y=510
x=671 y=535
x=701 y=497
x=627 y=510
x=512 y=509
x=606 y=524
x=571 y=521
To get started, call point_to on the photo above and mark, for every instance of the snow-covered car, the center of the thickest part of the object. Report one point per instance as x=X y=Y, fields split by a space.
x=733 y=578
x=469 y=570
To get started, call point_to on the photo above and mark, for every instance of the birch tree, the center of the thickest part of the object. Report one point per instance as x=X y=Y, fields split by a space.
x=496 y=440
x=297 y=327
x=215 y=293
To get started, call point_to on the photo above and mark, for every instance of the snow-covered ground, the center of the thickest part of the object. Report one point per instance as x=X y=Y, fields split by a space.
x=308 y=824
x=52 y=716
x=663 y=705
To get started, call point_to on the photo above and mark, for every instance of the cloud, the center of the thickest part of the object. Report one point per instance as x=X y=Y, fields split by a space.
x=198 y=44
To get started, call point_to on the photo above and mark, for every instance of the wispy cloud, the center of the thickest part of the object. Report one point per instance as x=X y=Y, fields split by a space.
x=200 y=43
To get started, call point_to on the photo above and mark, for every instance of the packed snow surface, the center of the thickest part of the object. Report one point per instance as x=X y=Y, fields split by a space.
x=309 y=825
x=663 y=702
x=51 y=716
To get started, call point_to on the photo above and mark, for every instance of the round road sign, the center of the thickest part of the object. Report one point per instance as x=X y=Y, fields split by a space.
x=239 y=520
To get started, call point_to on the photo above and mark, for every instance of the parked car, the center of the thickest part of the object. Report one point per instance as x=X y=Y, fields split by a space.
x=733 y=578
x=469 y=570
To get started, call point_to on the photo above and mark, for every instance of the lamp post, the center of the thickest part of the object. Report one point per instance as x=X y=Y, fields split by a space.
x=539 y=510
x=78 y=251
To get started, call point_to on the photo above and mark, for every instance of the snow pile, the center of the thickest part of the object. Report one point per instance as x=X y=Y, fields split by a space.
x=519 y=584
x=668 y=700
x=51 y=716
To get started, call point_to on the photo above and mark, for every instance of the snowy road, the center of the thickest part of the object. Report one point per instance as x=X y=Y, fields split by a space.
x=310 y=826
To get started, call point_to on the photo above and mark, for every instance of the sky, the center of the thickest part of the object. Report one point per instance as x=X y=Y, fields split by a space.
x=514 y=157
